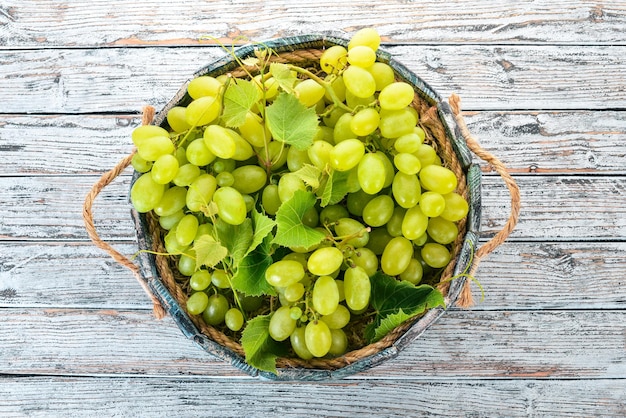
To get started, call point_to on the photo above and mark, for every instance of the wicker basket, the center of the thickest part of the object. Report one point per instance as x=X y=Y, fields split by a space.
x=158 y=273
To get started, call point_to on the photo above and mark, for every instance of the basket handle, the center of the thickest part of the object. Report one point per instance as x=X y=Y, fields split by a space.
x=465 y=298
x=105 y=180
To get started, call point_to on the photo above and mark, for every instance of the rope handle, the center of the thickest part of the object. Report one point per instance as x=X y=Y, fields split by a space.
x=105 y=180
x=465 y=298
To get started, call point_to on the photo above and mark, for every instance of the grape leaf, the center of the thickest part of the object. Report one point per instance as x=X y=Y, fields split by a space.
x=335 y=188
x=236 y=238
x=208 y=251
x=239 y=98
x=290 y=231
x=292 y=122
x=250 y=275
x=310 y=175
x=263 y=226
x=390 y=296
x=283 y=76
x=260 y=349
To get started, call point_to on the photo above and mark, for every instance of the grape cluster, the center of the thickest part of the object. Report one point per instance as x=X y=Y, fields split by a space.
x=398 y=213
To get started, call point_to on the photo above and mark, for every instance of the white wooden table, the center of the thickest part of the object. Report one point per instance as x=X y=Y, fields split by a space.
x=543 y=85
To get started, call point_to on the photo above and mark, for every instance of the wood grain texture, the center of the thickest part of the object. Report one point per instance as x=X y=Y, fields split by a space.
x=53 y=23
x=575 y=142
x=501 y=78
x=461 y=344
x=140 y=397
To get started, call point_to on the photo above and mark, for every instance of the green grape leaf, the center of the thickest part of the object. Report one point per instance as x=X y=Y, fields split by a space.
x=292 y=122
x=260 y=349
x=390 y=296
x=236 y=238
x=335 y=188
x=208 y=251
x=239 y=98
x=310 y=175
x=290 y=231
x=283 y=76
x=263 y=226
x=250 y=275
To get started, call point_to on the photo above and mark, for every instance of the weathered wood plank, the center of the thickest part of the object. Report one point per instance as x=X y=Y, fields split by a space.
x=517 y=276
x=126 y=396
x=542 y=142
x=54 y=23
x=462 y=344
x=502 y=77
x=586 y=208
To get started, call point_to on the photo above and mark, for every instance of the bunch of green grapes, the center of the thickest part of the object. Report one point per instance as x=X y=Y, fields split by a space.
x=399 y=215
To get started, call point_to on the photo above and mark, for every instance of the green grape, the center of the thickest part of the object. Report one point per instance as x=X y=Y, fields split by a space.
x=346 y=155
x=284 y=272
x=356 y=201
x=390 y=172
x=378 y=211
x=319 y=154
x=298 y=344
x=249 y=201
x=186 y=229
x=325 y=295
x=168 y=222
x=383 y=74
x=295 y=312
x=366 y=36
x=220 y=279
x=181 y=156
x=338 y=319
x=309 y=92
x=361 y=56
x=254 y=131
x=200 y=280
x=338 y=87
x=339 y=342
x=296 y=159
x=145 y=132
x=317 y=337
x=215 y=312
x=203 y=110
x=294 y=292
x=173 y=200
x=432 y=204
x=204 y=229
x=371 y=173
x=251 y=303
x=438 y=179
x=413 y=273
x=442 y=230
x=395 y=123
x=177 y=119
x=426 y=154
x=270 y=199
x=366 y=259
x=348 y=227
x=164 y=169
x=299 y=257
x=274 y=155
x=435 y=255
x=324 y=261
x=219 y=141
x=282 y=325
x=407 y=163
x=152 y=148
x=406 y=190
x=334 y=59
x=333 y=213
x=359 y=81
x=421 y=240
x=396 y=96
x=139 y=164
x=233 y=319
x=204 y=86
x=408 y=143
x=249 y=178
x=414 y=223
x=221 y=165
x=353 y=101
x=200 y=192
x=269 y=87
x=396 y=256
x=146 y=193
x=332 y=115
x=172 y=246
x=225 y=179
x=197 y=303
x=456 y=207
x=287 y=186
x=365 y=121
x=342 y=295
x=378 y=240
x=394 y=226
x=186 y=175
x=198 y=154
x=243 y=149
x=342 y=129
x=231 y=206
x=357 y=288
x=187 y=262
x=311 y=218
